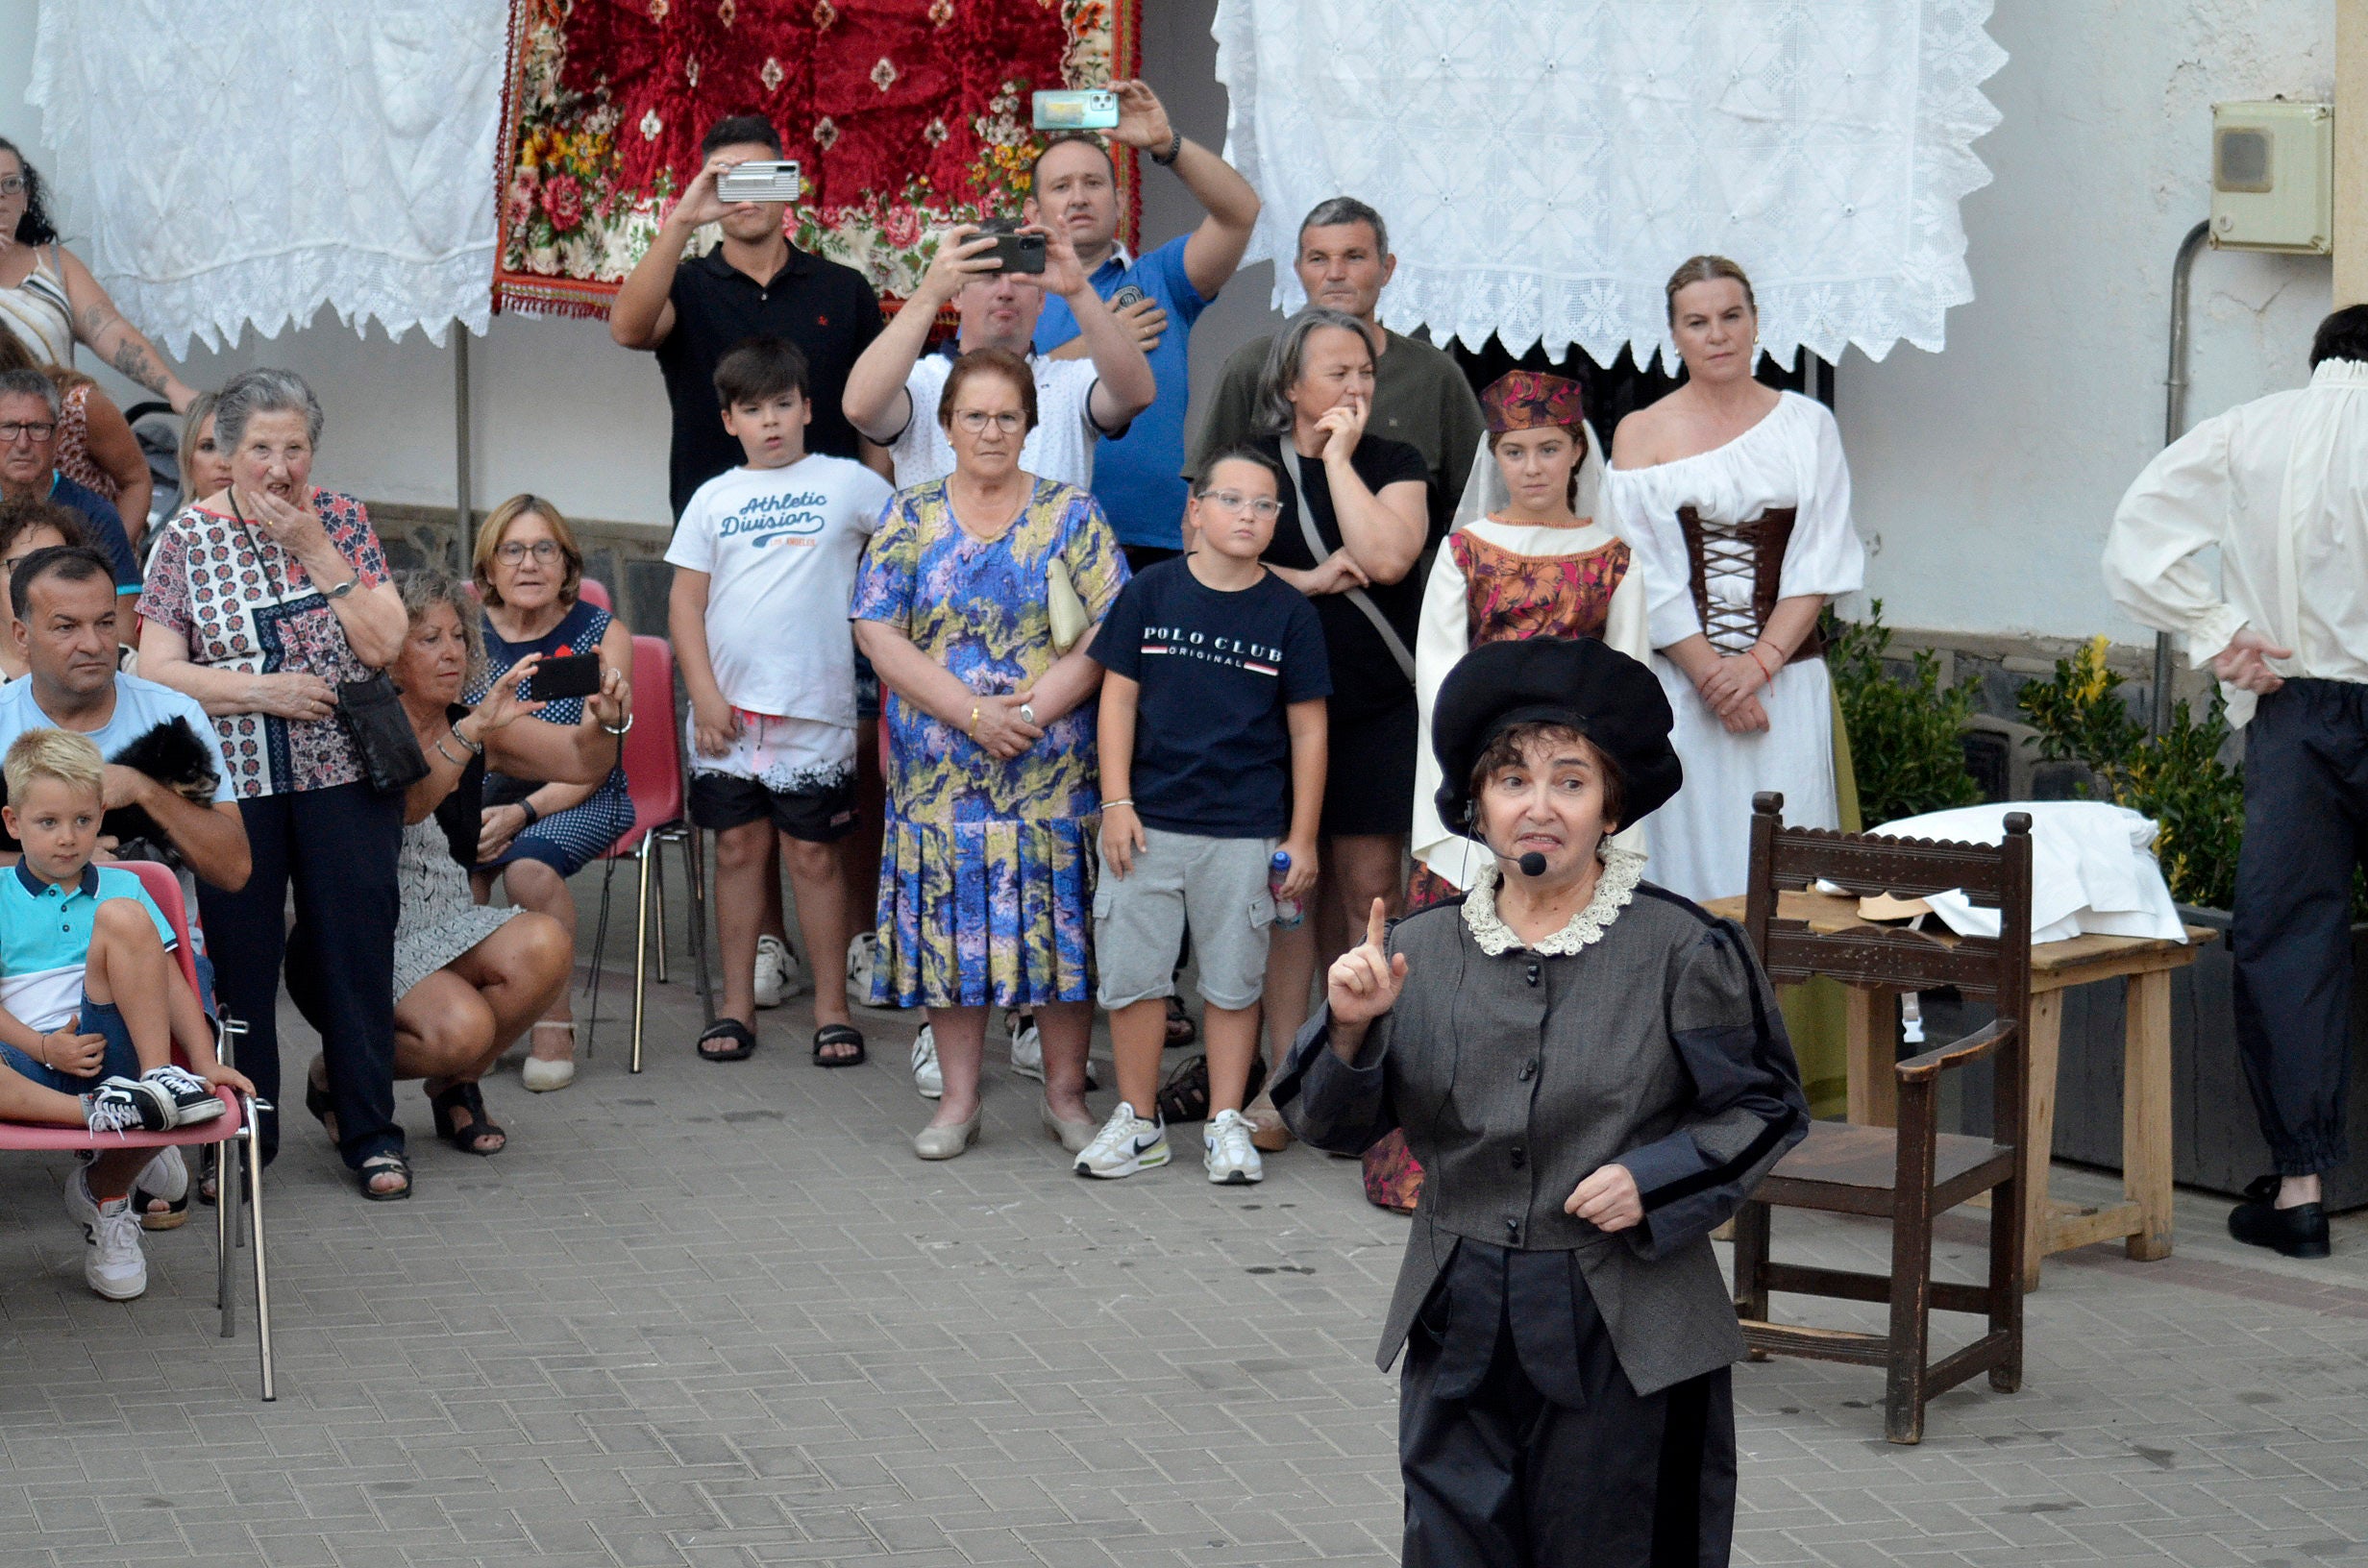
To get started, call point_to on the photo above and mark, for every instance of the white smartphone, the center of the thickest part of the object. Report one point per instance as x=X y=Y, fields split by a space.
x=760 y=181
x=1077 y=108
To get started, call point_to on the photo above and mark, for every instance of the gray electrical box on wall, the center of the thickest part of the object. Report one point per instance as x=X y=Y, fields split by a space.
x=2273 y=177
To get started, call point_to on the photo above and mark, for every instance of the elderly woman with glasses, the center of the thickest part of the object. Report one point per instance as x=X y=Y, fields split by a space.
x=534 y=836
x=1354 y=524
x=976 y=603
x=263 y=600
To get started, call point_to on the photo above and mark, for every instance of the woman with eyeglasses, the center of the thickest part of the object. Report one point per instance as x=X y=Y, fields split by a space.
x=534 y=836
x=49 y=299
x=1355 y=519
x=976 y=603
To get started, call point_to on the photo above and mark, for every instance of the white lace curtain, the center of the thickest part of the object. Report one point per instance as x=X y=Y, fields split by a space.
x=1545 y=164
x=219 y=163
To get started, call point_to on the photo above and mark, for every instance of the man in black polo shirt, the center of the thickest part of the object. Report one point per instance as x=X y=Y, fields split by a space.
x=691 y=314
x=756 y=283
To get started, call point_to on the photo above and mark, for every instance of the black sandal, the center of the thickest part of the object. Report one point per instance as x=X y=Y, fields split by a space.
x=839 y=1034
x=206 y=1188
x=1181 y=1029
x=386 y=1163
x=471 y=1136
x=742 y=1046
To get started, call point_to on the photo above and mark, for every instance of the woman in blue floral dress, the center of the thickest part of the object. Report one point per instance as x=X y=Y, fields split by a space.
x=987 y=872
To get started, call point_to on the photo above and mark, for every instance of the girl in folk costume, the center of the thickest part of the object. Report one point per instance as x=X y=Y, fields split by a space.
x=1736 y=501
x=1527 y=564
x=1595 y=1073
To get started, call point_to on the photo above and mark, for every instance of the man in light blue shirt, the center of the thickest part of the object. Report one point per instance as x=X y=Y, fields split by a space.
x=68 y=633
x=1136 y=476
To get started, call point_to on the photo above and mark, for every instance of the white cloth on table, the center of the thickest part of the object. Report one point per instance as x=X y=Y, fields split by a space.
x=248 y=164
x=2280 y=486
x=1445 y=636
x=1542 y=163
x=1793 y=457
x=2093 y=870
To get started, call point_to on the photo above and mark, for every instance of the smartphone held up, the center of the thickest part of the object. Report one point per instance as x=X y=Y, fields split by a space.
x=1086 y=109
x=760 y=179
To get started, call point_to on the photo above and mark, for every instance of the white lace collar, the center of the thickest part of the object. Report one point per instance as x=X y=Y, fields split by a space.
x=1614 y=886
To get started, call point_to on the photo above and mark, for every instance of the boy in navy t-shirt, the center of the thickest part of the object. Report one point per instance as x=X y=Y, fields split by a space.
x=1212 y=734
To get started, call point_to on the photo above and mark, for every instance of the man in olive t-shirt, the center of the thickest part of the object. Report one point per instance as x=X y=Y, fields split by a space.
x=1420 y=394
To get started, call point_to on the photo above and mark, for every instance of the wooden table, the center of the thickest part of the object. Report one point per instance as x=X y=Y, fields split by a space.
x=2143 y=1218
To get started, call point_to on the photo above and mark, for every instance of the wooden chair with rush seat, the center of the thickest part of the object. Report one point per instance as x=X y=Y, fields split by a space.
x=1910 y=1173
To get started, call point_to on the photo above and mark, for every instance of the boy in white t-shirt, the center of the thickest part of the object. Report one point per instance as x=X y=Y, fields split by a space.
x=764 y=560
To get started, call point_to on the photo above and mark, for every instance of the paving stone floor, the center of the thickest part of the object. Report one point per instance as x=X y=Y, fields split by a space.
x=719 y=1314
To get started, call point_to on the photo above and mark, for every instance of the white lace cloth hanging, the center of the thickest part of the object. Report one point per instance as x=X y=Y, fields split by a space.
x=1543 y=164
x=220 y=164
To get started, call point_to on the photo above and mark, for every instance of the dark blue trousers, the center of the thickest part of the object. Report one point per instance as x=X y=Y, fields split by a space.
x=2306 y=829
x=338 y=848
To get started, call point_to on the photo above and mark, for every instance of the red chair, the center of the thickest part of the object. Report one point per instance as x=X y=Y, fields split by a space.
x=654 y=777
x=595 y=592
x=231 y=1133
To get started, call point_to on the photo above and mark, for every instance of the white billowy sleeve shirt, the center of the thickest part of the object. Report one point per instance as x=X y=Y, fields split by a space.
x=2279 y=487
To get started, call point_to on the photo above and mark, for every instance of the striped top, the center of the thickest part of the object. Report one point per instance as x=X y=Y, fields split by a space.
x=37 y=311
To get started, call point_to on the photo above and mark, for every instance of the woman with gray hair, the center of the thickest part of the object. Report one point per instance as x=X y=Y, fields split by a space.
x=1356 y=520
x=263 y=599
x=469 y=979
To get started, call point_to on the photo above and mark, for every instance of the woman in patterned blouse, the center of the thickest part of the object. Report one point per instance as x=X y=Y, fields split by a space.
x=263 y=598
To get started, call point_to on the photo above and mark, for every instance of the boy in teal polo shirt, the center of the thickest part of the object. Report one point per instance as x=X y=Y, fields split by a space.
x=89 y=994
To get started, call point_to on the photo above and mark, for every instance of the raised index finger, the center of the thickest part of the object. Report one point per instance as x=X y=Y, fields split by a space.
x=1376 y=928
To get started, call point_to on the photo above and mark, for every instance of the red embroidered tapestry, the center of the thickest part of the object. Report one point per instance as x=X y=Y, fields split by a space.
x=905 y=115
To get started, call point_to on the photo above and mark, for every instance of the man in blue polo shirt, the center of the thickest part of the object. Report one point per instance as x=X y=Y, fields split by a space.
x=1137 y=477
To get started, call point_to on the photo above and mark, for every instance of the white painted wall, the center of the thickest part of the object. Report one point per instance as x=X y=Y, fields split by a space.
x=1989 y=472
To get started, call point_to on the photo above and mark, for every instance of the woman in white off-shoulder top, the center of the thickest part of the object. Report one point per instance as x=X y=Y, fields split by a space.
x=1736 y=500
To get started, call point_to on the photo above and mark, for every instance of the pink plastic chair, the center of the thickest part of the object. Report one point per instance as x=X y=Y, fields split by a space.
x=231 y=1133
x=595 y=592
x=653 y=778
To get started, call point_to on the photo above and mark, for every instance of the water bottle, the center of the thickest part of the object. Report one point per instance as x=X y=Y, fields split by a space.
x=1288 y=912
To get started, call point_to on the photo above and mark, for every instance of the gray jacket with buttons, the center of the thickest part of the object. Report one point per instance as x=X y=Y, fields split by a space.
x=1657 y=1045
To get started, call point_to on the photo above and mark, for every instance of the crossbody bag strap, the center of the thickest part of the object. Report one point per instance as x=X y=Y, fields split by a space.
x=1317 y=553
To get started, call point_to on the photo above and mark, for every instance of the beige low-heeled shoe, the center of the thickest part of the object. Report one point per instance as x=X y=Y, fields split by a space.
x=543 y=1076
x=944 y=1143
x=1072 y=1135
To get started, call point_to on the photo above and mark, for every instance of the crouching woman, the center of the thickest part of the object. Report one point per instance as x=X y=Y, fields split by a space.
x=1593 y=1074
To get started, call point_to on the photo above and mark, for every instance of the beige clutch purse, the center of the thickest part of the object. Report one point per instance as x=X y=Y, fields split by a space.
x=1070 y=621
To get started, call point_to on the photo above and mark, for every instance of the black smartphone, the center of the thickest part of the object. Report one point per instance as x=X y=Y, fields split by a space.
x=571 y=674
x=1020 y=253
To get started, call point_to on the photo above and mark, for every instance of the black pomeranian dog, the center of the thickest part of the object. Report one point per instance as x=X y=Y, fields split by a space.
x=170 y=753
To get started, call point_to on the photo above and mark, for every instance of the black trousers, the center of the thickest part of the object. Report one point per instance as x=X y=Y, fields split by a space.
x=2305 y=828
x=338 y=848
x=1508 y=1479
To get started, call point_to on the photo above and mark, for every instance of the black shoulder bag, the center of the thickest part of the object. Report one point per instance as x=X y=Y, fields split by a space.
x=371 y=709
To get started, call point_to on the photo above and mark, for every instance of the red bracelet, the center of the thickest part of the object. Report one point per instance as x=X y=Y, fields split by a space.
x=1754 y=651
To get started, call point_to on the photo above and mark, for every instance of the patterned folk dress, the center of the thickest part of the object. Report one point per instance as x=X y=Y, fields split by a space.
x=987 y=869
x=1493 y=582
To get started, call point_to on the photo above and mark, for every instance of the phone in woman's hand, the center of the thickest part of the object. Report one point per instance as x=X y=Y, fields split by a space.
x=570 y=674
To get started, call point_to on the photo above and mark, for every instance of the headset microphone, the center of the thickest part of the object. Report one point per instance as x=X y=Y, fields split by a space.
x=1532 y=864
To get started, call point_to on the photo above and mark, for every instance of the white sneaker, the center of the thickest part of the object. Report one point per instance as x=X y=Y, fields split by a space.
x=112 y=1261
x=1126 y=1144
x=1228 y=1154
x=862 y=957
x=771 y=977
x=927 y=1077
x=1027 y=1046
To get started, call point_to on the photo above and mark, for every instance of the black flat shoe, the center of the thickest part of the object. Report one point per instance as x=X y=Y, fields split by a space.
x=2299 y=1232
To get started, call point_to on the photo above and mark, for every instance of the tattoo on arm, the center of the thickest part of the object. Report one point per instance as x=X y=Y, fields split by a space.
x=96 y=319
x=135 y=363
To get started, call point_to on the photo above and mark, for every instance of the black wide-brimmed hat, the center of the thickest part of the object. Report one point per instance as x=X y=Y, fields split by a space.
x=1577 y=682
